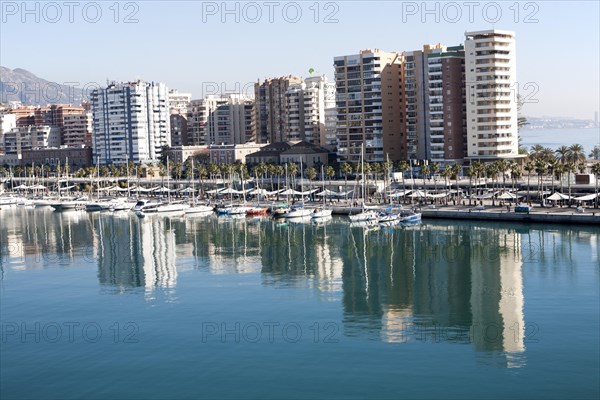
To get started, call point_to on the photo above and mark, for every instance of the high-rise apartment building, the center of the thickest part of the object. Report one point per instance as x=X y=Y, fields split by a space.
x=270 y=108
x=130 y=122
x=309 y=108
x=77 y=129
x=446 y=123
x=228 y=119
x=31 y=137
x=178 y=109
x=414 y=99
x=8 y=122
x=490 y=71
x=369 y=106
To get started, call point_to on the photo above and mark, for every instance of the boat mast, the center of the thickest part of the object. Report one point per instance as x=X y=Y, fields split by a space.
x=168 y=181
x=324 y=194
x=362 y=172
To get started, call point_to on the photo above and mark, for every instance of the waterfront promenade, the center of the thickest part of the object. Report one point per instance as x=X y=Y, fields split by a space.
x=538 y=214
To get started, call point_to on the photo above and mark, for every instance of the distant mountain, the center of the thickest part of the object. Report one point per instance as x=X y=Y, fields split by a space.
x=21 y=85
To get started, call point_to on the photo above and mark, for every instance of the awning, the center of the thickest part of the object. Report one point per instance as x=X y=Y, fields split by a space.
x=587 y=197
x=509 y=196
x=558 y=196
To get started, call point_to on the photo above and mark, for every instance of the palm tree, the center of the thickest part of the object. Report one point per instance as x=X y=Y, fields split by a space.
x=278 y=170
x=552 y=165
x=541 y=169
x=213 y=170
x=202 y=174
x=471 y=172
x=502 y=168
x=177 y=170
x=402 y=167
x=562 y=154
x=535 y=150
x=345 y=169
x=515 y=173
x=559 y=169
x=569 y=168
x=272 y=171
x=576 y=153
x=529 y=166
x=455 y=172
x=491 y=171
x=595 y=153
x=292 y=169
x=447 y=174
x=310 y=173
x=596 y=171
x=329 y=173
x=425 y=170
x=582 y=166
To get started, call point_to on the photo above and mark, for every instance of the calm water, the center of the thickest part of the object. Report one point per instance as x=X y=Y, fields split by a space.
x=114 y=307
x=554 y=138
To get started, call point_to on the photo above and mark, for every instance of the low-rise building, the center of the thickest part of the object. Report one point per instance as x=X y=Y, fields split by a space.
x=75 y=156
x=306 y=153
x=269 y=154
x=231 y=153
x=180 y=154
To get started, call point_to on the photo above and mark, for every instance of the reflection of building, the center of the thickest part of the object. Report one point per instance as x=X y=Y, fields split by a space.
x=136 y=252
x=446 y=284
x=157 y=251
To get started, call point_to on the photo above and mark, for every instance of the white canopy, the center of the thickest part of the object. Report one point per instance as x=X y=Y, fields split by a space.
x=161 y=190
x=187 y=190
x=258 y=192
x=509 y=196
x=418 y=193
x=328 y=192
x=397 y=193
x=291 y=192
x=141 y=189
x=21 y=187
x=485 y=196
x=558 y=196
x=232 y=191
x=38 y=187
x=214 y=191
x=438 y=195
x=587 y=197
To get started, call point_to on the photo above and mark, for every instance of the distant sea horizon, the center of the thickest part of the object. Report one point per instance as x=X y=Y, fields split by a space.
x=554 y=138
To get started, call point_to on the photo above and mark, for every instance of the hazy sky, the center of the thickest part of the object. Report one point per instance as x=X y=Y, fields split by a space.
x=197 y=46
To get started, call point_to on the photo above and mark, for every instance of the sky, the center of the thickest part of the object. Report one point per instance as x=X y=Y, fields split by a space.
x=205 y=47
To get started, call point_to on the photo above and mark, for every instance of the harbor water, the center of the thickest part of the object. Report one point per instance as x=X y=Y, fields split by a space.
x=112 y=306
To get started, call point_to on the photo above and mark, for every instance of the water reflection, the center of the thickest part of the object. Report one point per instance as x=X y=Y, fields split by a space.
x=436 y=282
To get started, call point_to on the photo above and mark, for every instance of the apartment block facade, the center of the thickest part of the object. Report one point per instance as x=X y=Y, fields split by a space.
x=309 y=108
x=77 y=129
x=491 y=97
x=271 y=116
x=31 y=137
x=228 y=119
x=369 y=106
x=130 y=122
x=446 y=117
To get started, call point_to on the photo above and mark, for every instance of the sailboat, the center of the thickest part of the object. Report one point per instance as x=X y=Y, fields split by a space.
x=298 y=210
x=144 y=207
x=241 y=209
x=197 y=208
x=322 y=212
x=364 y=215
